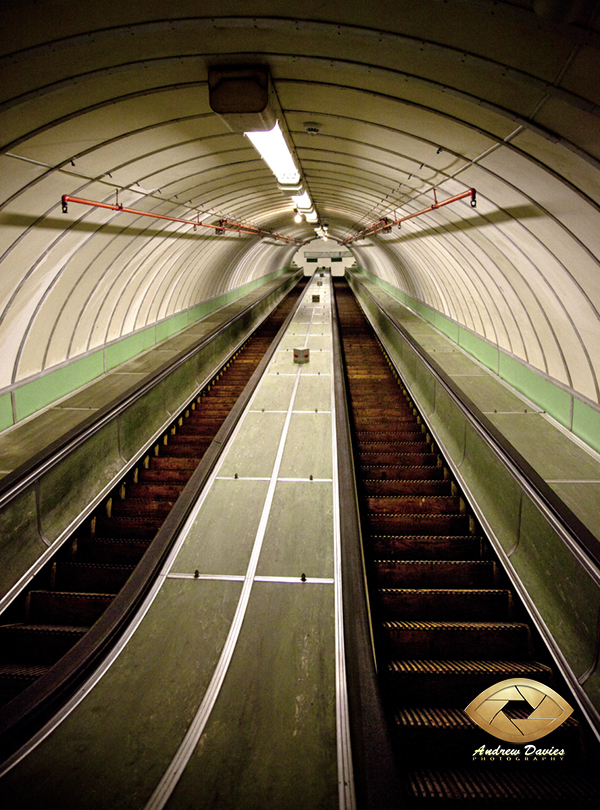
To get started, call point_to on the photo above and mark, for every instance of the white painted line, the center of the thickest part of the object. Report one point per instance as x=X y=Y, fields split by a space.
x=241 y=577
x=217 y=577
x=297 y=580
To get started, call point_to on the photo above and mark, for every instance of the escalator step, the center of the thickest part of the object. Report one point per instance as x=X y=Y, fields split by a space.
x=431 y=639
x=435 y=573
x=173 y=463
x=446 y=735
x=187 y=450
x=119 y=550
x=414 y=504
x=35 y=644
x=492 y=785
x=89 y=577
x=159 y=491
x=64 y=607
x=166 y=477
x=403 y=447
x=419 y=524
x=402 y=472
x=129 y=526
x=143 y=507
x=395 y=435
x=449 y=604
x=408 y=486
x=196 y=429
x=427 y=547
x=445 y=682
x=196 y=441
x=14 y=678
x=400 y=459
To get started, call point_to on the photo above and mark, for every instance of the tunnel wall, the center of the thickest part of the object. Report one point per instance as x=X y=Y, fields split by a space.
x=558 y=581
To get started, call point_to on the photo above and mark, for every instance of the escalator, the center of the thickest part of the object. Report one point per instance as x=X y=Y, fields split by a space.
x=446 y=622
x=74 y=589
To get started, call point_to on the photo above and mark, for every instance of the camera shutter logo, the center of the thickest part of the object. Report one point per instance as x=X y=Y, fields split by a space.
x=548 y=710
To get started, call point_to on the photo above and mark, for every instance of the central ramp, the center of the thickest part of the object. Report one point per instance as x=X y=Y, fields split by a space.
x=230 y=689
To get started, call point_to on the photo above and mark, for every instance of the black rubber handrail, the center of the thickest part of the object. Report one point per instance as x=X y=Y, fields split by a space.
x=29 y=710
x=27 y=473
x=520 y=468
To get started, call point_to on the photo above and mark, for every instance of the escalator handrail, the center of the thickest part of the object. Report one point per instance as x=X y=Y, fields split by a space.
x=15 y=482
x=570 y=527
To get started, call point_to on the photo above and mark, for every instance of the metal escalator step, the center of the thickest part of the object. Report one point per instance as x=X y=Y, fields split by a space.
x=14 y=678
x=142 y=507
x=445 y=682
x=444 y=639
x=445 y=735
x=118 y=550
x=196 y=428
x=426 y=547
x=399 y=459
x=435 y=573
x=414 y=504
x=165 y=476
x=408 y=486
x=384 y=421
x=419 y=446
x=187 y=450
x=196 y=441
x=402 y=472
x=36 y=644
x=65 y=607
x=408 y=433
x=159 y=491
x=89 y=577
x=529 y=788
x=398 y=523
x=173 y=463
x=129 y=526
x=445 y=603
x=380 y=402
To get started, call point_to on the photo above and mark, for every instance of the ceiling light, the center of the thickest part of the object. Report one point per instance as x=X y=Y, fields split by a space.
x=302 y=201
x=298 y=217
x=274 y=151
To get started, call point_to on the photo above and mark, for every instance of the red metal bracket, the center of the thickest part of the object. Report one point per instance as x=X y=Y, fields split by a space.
x=386 y=225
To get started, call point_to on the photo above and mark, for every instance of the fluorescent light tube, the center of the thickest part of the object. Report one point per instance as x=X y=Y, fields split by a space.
x=273 y=149
x=303 y=201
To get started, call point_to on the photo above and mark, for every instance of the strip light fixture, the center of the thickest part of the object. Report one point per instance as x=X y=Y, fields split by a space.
x=272 y=147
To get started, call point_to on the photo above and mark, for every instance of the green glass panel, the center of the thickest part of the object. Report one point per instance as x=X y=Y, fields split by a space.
x=6 y=415
x=35 y=395
x=586 y=424
x=129 y=347
x=478 y=348
x=548 y=396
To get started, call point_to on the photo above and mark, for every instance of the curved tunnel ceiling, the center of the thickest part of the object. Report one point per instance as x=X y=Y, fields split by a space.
x=408 y=98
